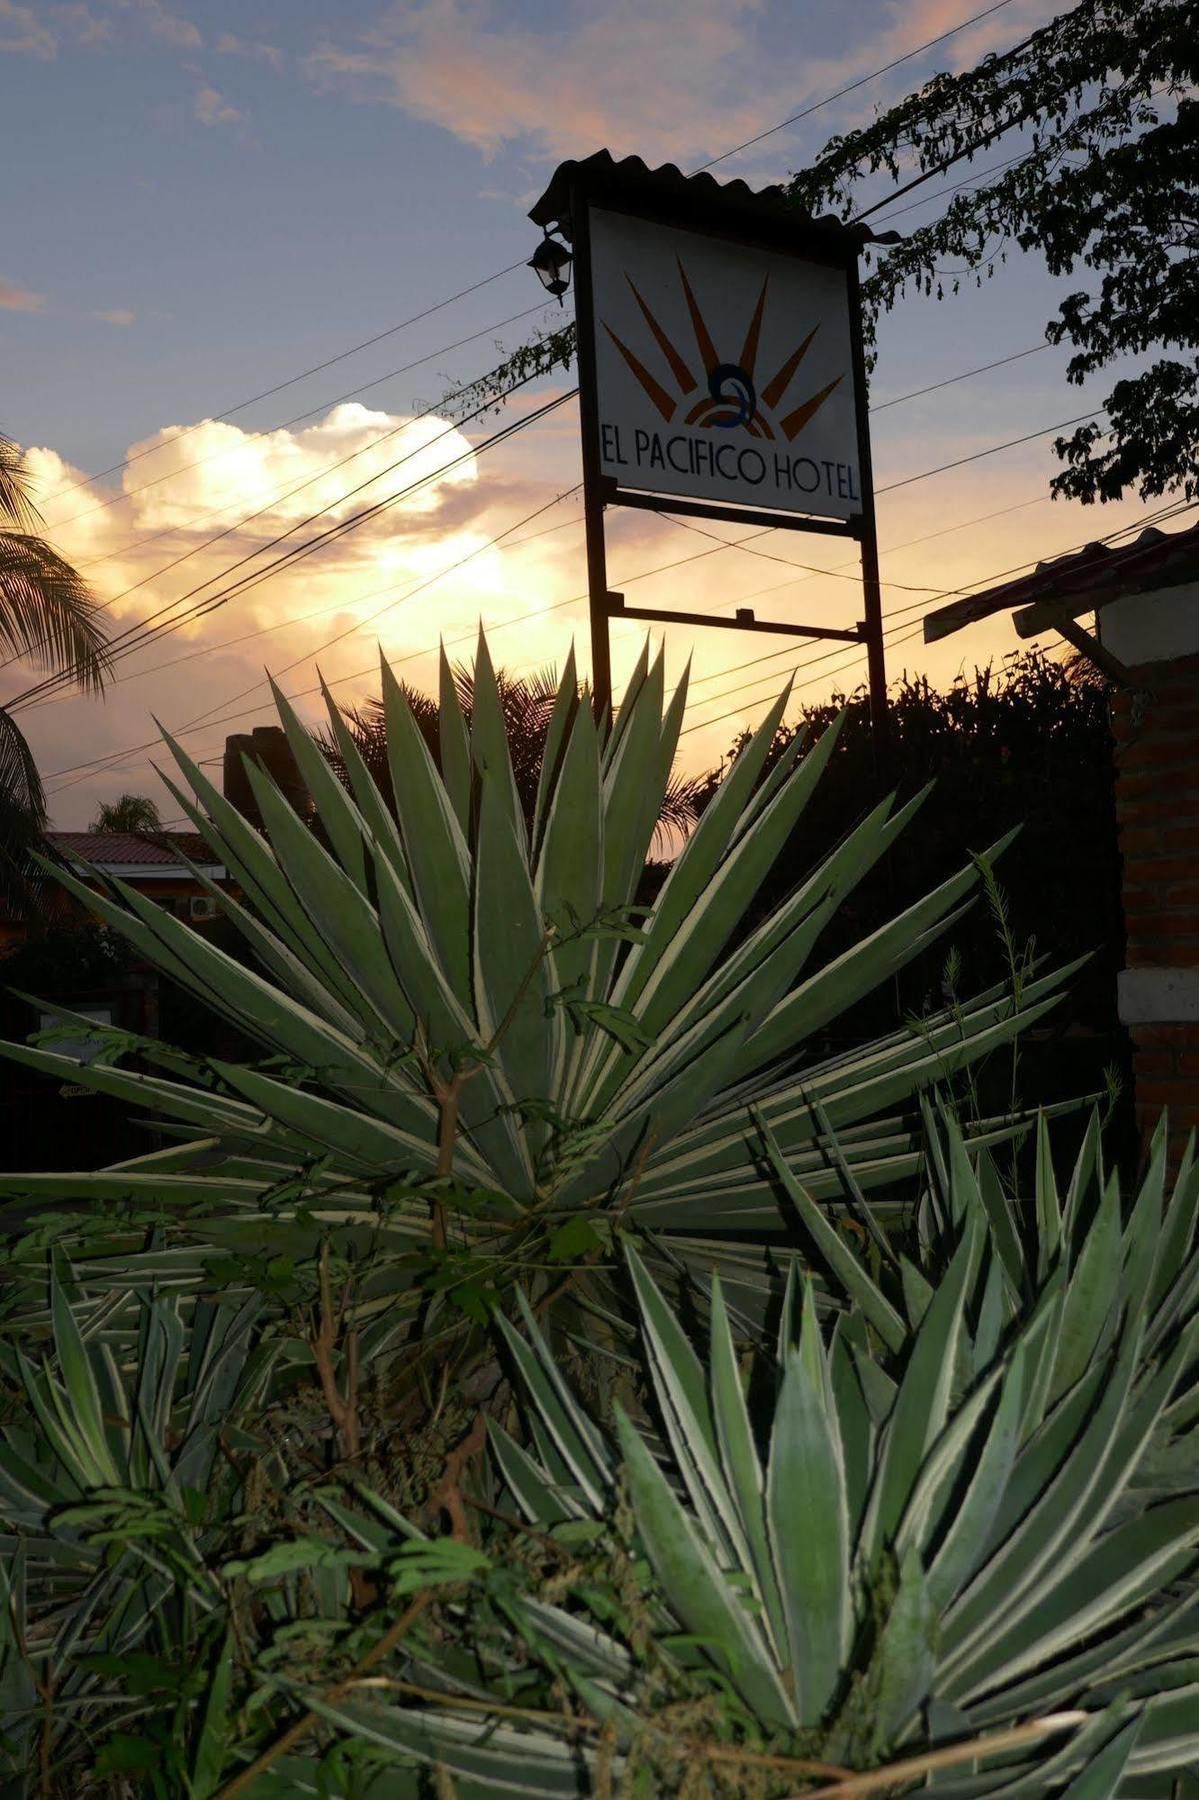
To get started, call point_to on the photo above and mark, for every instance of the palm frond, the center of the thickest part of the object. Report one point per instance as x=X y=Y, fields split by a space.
x=48 y=614
x=16 y=489
x=22 y=820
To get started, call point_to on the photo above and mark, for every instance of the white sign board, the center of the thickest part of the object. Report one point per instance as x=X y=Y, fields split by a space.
x=723 y=372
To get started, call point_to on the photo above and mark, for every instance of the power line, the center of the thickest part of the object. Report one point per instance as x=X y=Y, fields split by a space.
x=964 y=375
x=991 y=450
x=316 y=369
x=1172 y=510
x=286 y=425
x=139 y=635
x=983 y=369
x=722 y=544
x=276 y=499
x=853 y=85
x=316 y=613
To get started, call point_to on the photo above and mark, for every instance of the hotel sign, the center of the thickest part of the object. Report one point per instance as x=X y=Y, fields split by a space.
x=723 y=372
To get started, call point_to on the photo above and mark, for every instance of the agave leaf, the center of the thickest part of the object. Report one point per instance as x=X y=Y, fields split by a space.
x=453 y=743
x=739 y=1459
x=1122 y=1569
x=250 y=860
x=682 y=1398
x=873 y=959
x=1090 y=1294
x=699 y=1592
x=963 y=1543
x=433 y=841
x=1048 y=1204
x=380 y=826
x=338 y=814
x=921 y=1405
x=901 y=1671
x=571 y=854
x=511 y=979
x=833 y=1251
x=489 y=738
x=478 y=1750
x=566 y=704
x=212 y=1745
x=541 y=1503
x=808 y=1519
x=855 y=1424
x=576 y=1438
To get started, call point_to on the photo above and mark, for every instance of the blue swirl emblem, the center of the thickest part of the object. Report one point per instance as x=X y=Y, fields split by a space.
x=732 y=387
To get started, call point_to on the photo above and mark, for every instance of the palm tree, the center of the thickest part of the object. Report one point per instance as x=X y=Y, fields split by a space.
x=48 y=616
x=528 y=703
x=132 y=812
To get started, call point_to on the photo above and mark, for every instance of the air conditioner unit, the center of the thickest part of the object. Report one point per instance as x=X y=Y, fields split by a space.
x=201 y=906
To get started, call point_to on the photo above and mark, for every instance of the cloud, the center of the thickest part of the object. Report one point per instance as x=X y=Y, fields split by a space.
x=230 y=45
x=119 y=315
x=676 y=81
x=19 y=299
x=186 y=483
x=170 y=27
x=211 y=107
x=23 y=33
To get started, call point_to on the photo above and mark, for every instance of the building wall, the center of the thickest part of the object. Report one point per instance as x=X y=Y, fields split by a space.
x=1156 y=727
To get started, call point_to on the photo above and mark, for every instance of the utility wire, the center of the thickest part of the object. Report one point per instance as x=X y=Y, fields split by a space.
x=292 y=380
x=138 y=635
x=723 y=544
x=1167 y=512
x=286 y=425
x=852 y=87
x=275 y=500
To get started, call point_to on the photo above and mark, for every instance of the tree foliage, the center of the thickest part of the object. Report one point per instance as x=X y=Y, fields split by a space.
x=527 y=705
x=1025 y=745
x=1102 y=182
x=131 y=812
x=48 y=616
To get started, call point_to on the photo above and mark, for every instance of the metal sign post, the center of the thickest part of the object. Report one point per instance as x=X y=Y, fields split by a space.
x=721 y=376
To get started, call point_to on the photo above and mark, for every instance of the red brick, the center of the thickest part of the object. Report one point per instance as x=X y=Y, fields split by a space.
x=1157 y=751
x=1147 y=840
x=1161 y=922
x=1178 y=837
x=1155 y=871
x=1177 y=1036
x=1172 y=1091
x=1162 y=952
x=1168 y=800
x=1145 y=785
x=1184 y=894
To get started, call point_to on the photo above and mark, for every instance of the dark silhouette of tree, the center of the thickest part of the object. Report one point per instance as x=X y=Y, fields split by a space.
x=1102 y=177
x=1025 y=746
x=527 y=702
x=48 y=616
x=132 y=812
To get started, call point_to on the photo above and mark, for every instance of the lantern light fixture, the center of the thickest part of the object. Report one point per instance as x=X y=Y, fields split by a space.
x=551 y=263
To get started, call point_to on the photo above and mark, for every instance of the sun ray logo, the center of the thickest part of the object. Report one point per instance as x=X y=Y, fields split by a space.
x=731 y=398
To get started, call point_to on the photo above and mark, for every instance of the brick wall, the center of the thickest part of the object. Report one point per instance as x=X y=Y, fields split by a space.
x=1157 y=811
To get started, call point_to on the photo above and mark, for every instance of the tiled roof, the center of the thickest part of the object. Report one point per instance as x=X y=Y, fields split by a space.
x=701 y=195
x=116 y=849
x=1097 y=574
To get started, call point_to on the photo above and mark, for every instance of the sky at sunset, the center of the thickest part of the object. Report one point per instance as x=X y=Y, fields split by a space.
x=209 y=200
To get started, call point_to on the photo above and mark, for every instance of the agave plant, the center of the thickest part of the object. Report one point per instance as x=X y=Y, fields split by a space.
x=958 y=1557
x=450 y=997
x=108 y=1488
x=954 y=1541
